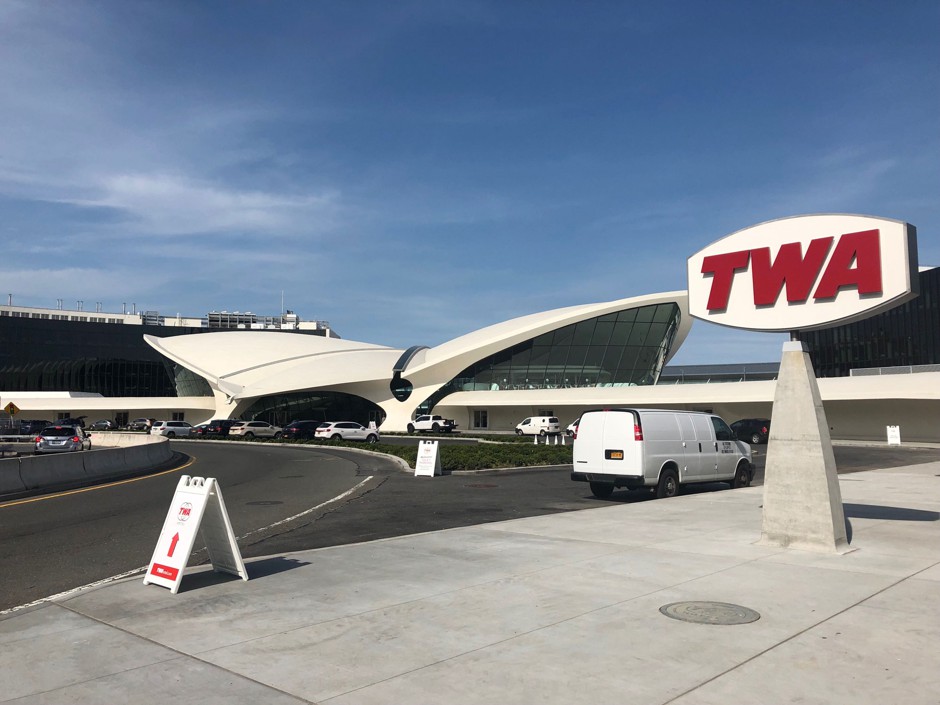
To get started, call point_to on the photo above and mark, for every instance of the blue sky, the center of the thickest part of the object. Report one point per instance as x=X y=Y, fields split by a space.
x=412 y=171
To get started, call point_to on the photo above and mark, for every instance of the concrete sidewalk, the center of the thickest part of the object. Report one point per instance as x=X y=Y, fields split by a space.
x=554 y=609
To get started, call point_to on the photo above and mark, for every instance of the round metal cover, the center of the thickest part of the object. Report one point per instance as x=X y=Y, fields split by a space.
x=710 y=613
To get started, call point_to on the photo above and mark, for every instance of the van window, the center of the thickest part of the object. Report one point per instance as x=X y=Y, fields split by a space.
x=722 y=431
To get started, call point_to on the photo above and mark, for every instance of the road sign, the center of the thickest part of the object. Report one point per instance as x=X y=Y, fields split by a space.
x=429 y=460
x=197 y=504
x=11 y=409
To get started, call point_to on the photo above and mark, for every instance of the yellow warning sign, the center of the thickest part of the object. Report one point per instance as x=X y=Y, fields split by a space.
x=11 y=409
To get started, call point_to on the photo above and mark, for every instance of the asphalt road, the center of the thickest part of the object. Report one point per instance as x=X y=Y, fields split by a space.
x=55 y=543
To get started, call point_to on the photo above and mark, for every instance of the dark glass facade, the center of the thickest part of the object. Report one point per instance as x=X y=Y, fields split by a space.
x=904 y=335
x=621 y=349
x=281 y=409
x=43 y=355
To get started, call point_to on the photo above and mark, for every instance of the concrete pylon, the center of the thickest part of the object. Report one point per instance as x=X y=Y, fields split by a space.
x=802 y=498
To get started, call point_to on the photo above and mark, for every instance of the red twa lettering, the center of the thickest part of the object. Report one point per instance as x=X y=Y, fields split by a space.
x=790 y=268
x=797 y=272
x=864 y=249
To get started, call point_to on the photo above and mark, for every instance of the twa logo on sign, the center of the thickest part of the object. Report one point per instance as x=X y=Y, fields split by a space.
x=804 y=272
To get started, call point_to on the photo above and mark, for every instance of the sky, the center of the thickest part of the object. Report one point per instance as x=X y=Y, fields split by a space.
x=412 y=171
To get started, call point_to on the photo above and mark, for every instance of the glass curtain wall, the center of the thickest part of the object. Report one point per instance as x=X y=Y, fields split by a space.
x=621 y=349
x=905 y=335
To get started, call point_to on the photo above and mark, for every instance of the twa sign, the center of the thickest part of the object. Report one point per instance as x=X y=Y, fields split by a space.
x=804 y=272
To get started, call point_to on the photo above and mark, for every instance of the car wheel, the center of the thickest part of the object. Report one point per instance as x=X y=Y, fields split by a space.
x=249 y=436
x=742 y=478
x=542 y=433
x=668 y=484
x=336 y=437
x=602 y=490
x=436 y=428
x=411 y=428
x=170 y=434
x=518 y=431
x=277 y=436
x=371 y=438
x=755 y=438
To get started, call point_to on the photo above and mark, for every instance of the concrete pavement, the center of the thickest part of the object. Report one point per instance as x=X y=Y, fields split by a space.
x=563 y=608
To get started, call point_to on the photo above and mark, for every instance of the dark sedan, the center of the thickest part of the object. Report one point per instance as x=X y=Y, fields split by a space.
x=753 y=431
x=299 y=430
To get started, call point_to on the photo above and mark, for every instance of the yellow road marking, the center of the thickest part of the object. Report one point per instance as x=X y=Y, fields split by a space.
x=192 y=459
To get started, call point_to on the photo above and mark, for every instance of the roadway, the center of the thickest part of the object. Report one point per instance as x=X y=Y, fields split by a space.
x=274 y=495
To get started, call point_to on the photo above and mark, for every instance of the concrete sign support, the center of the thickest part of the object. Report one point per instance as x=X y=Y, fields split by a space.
x=797 y=274
x=802 y=498
x=429 y=460
x=197 y=505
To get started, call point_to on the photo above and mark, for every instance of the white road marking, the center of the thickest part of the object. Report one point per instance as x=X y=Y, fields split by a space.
x=129 y=573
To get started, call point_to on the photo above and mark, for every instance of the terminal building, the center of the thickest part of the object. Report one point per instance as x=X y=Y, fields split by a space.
x=881 y=371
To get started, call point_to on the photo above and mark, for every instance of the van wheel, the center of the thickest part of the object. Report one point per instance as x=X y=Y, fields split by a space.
x=518 y=431
x=742 y=478
x=411 y=428
x=542 y=433
x=668 y=484
x=602 y=490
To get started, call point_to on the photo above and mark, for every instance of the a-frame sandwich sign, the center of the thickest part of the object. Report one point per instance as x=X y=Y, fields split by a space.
x=197 y=506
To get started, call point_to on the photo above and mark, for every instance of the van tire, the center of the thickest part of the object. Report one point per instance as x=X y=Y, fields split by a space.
x=668 y=484
x=542 y=433
x=602 y=490
x=411 y=428
x=742 y=478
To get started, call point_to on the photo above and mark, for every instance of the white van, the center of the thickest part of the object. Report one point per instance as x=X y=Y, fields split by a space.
x=657 y=448
x=538 y=426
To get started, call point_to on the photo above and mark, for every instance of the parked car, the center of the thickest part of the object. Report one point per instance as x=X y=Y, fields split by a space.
x=62 y=439
x=538 y=426
x=199 y=429
x=753 y=431
x=140 y=424
x=219 y=427
x=33 y=426
x=297 y=430
x=432 y=422
x=253 y=429
x=347 y=431
x=72 y=421
x=102 y=425
x=572 y=427
x=171 y=429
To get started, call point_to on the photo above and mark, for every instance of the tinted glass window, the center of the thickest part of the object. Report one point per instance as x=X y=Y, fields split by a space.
x=63 y=432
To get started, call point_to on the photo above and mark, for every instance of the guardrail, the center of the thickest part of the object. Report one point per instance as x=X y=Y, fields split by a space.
x=33 y=474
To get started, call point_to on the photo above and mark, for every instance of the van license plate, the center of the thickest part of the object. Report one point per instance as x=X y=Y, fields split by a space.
x=613 y=454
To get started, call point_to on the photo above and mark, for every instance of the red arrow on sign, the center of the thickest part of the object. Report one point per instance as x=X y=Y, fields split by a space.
x=175 y=540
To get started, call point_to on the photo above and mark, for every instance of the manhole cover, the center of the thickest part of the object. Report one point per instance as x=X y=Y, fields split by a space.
x=263 y=503
x=710 y=613
x=481 y=486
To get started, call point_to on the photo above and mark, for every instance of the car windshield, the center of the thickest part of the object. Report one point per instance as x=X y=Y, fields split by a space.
x=58 y=431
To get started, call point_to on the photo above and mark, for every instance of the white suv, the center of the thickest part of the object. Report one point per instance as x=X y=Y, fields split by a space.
x=171 y=429
x=252 y=429
x=538 y=426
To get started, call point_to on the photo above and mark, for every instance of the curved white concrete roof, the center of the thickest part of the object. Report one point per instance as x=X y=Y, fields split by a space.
x=247 y=364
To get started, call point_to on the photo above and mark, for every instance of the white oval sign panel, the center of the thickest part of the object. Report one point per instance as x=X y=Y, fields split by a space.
x=804 y=272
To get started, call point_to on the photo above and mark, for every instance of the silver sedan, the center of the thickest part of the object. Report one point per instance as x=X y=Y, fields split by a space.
x=62 y=439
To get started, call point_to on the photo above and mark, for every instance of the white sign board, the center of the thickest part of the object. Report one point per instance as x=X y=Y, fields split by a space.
x=894 y=435
x=804 y=272
x=197 y=505
x=429 y=461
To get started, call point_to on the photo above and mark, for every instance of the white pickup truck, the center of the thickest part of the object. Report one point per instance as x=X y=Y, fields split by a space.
x=437 y=424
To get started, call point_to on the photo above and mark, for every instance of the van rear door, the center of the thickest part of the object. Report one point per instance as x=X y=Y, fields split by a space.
x=606 y=444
